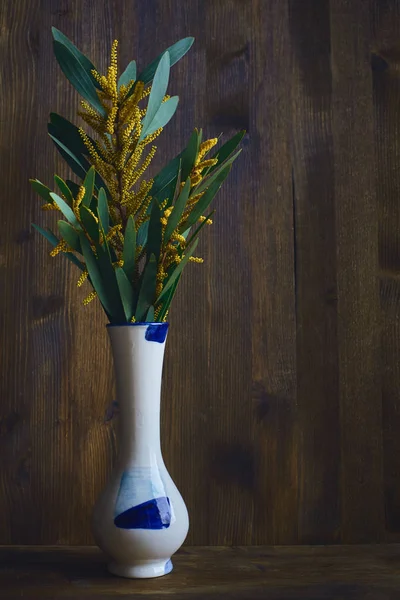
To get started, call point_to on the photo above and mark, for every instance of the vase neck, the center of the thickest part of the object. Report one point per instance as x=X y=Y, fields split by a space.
x=138 y=354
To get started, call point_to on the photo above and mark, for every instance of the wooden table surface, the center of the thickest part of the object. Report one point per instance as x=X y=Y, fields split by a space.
x=290 y=572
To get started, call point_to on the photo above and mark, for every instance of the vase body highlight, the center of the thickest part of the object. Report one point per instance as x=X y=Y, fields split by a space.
x=140 y=518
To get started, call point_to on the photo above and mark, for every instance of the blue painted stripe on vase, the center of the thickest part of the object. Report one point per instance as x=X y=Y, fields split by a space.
x=156 y=332
x=168 y=567
x=153 y=514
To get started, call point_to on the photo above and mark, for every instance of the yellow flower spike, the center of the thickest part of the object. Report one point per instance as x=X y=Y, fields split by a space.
x=130 y=166
x=195 y=180
x=89 y=298
x=140 y=206
x=95 y=123
x=207 y=163
x=89 y=110
x=124 y=91
x=163 y=221
x=62 y=246
x=134 y=121
x=92 y=150
x=130 y=104
x=167 y=212
x=192 y=201
x=179 y=238
x=196 y=259
x=206 y=147
x=100 y=79
x=82 y=278
x=49 y=206
x=114 y=55
x=133 y=320
x=165 y=317
x=203 y=218
x=157 y=312
x=145 y=93
x=102 y=167
x=107 y=150
x=113 y=231
x=150 y=138
x=136 y=174
x=92 y=213
x=110 y=126
x=78 y=201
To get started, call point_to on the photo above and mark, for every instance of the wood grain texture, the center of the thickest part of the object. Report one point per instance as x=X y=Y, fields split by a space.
x=281 y=405
x=357 y=266
x=241 y=573
x=272 y=297
x=315 y=272
x=385 y=32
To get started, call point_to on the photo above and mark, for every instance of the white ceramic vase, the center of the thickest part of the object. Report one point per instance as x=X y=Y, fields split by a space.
x=140 y=519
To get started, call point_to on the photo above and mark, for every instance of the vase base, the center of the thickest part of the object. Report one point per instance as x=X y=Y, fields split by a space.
x=145 y=569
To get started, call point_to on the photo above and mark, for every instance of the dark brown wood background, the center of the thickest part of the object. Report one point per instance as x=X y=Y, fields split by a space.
x=281 y=401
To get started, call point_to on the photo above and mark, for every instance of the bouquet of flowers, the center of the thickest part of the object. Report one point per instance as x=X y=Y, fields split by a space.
x=129 y=235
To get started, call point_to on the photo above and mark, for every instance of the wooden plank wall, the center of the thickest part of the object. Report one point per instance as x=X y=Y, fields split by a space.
x=281 y=399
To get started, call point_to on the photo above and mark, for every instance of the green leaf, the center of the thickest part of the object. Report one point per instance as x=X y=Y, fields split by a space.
x=70 y=235
x=177 y=211
x=176 y=52
x=158 y=91
x=177 y=271
x=154 y=237
x=163 y=115
x=68 y=134
x=128 y=75
x=68 y=140
x=207 y=181
x=129 y=251
x=46 y=233
x=177 y=190
x=126 y=292
x=89 y=223
x=96 y=279
x=74 y=187
x=168 y=299
x=74 y=71
x=110 y=281
x=203 y=203
x=189 y=155
x=142 y=233
x=50 y=237
x=102 y=210
x=164 y=178
x=65 y=209
x=75 y=260
x=41 y=189
x=64 y=189
x=89 y=186
x=79 y=165
x=85 y=62
x=199 y=139
x=150 y=315
x=147 y=289
x=227 y=149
